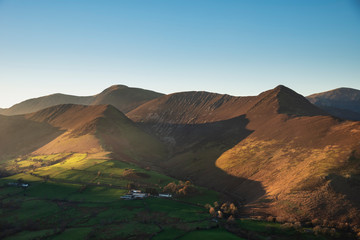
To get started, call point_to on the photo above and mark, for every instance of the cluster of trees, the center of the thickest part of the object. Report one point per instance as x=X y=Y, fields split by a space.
x=180 y=189
x=226 y=210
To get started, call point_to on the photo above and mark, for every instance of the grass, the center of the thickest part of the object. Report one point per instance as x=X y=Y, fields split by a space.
x=73 y=234
x=214 y=234
x=79 y=198
x=30 y=210
x=75 y=194
x=26 y=235
x=170 y=233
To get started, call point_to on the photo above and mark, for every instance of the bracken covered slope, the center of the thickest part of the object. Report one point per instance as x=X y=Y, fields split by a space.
x=276 y=146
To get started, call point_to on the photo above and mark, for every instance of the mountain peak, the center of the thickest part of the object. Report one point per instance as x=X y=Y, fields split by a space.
x=281 y=87
x=284 y=100
x=114 y=88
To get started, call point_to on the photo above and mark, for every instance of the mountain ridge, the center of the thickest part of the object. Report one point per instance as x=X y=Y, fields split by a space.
x=122 y=97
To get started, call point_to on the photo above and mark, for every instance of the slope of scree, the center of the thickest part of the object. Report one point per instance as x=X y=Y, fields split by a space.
x=191 y=108
x=287 y=146
x=122 y=97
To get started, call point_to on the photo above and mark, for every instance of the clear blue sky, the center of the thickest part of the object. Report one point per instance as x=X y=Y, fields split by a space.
x=239 y=47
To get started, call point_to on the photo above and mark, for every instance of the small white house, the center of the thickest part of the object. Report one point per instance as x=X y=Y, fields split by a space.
x=127 y=197
x=24 y=185
x=139 y=195
x=165 y=195
x=135 y=191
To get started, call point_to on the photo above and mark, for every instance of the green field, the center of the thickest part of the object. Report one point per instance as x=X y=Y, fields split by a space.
x=71 y=196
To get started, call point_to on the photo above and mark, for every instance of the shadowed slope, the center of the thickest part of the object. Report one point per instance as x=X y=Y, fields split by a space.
x=122 y=97
x=20 y=136
x=340 y=102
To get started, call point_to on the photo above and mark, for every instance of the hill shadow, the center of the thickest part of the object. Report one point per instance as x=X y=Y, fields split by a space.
x=195 y=149
x=20 y=136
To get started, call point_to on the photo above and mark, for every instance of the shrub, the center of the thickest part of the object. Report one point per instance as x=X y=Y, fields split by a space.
x=229 y=208
x=181 y=189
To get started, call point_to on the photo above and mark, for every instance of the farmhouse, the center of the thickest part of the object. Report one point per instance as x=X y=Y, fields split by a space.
x=135 y=191
x=135 y=194
x=165 y=195
x=127 y=197
x=140 y=195
x=24 y=185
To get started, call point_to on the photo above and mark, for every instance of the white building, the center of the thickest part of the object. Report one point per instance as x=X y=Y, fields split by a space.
x=127 y=197
x=165 y=195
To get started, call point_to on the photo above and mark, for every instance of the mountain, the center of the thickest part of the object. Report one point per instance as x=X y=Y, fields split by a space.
x=120 y=96
x=124 y=98
x=341 y=102
x=276 y=153
x=77 y=128
x=276 y=149
x=36 y=104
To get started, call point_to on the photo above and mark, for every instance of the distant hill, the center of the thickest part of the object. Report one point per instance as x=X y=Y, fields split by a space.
x=275 y=148
x=77 y=128
x=341 y=102
x=36 y=104
x=124 y=98
x=120 y=96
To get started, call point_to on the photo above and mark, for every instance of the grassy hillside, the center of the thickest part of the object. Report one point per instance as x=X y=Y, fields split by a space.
x=78 y=196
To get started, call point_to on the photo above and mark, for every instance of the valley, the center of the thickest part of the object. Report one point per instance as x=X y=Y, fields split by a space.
x=289 y=168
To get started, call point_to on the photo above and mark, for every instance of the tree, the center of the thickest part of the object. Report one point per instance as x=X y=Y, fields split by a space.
x=212 y=211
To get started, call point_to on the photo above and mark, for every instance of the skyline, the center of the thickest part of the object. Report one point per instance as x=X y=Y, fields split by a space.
x=239 y=48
